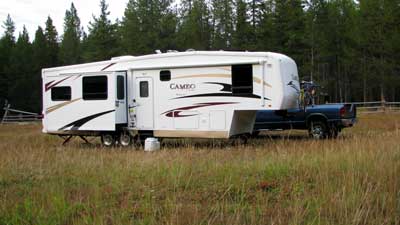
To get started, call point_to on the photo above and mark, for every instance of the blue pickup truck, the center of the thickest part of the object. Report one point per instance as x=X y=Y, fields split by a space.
x=321 y=121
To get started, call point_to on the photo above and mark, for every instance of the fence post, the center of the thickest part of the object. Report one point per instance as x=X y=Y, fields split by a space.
x=6 y=108
x=383 y=105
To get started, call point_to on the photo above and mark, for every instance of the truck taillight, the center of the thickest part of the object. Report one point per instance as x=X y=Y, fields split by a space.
x=342 y=111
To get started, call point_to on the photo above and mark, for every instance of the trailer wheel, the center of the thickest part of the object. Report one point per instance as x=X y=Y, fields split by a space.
x=124 y=139
x=318 y=130
x=108 y=139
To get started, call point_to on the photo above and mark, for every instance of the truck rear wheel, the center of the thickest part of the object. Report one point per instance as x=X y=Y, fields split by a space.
x=318 y=130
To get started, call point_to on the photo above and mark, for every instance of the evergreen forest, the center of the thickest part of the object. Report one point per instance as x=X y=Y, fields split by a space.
x=351 y=48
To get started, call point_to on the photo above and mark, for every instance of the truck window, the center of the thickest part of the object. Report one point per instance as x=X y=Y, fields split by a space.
x=120 y=88
x=242 y=79
x=165 y=75
x=61 y=93
x=94 y=88
x=144 y=89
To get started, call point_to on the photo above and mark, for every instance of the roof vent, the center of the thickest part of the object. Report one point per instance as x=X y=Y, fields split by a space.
x=190 y=50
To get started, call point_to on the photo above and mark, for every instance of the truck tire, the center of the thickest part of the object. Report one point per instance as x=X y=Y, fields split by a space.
x=318 y=130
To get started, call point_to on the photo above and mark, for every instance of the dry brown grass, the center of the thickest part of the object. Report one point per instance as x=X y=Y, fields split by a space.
x=278 y=179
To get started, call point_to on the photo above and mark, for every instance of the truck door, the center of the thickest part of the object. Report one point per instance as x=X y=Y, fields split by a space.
x=144 y=103
x=120 y=98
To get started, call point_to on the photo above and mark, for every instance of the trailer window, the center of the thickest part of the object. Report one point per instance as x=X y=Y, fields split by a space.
x=94 y=88
x=144 y=89
x=165 y=75
x=120 y=88
x=242 y=79
x=61 y=93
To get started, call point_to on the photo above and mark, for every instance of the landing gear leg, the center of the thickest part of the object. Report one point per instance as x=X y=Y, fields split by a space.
x=84 y=139
x=66 y=140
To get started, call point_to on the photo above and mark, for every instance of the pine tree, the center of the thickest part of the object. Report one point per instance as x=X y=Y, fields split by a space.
x=331 y=37
x=243 y=36
x=264 y=31
x=223 y=23
x=21 y=74
x=195 y=28
x=392 y=43
x=7 y=43
x=289 y=30
x=131 y=29
x=41 y=59
x=51 y=36
x=101 y=43
x=167 y=28
x=70 y=49
x=40 y=50
x=148 y=25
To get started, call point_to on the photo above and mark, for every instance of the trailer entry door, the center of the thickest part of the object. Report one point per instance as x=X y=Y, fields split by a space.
x=120 y=98
x=144 y=103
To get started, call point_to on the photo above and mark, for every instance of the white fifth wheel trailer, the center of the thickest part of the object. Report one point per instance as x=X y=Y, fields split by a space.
x=206 y=94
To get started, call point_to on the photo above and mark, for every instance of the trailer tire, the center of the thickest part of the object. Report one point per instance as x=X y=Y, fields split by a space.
x=108 y=139
x=318 y=130
x=125 y=139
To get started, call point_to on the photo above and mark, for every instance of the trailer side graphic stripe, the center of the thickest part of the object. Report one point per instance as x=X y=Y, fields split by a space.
x=225 y=87
x=58 y=106
x=222 y=95
x=258 y=81
x=110 y=65
x=49 y=85
x=78 y=123
x=176 y=112
x=203 y=76
x=255 y=79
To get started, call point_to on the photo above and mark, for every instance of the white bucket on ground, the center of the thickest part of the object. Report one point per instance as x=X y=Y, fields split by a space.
x=151 y=144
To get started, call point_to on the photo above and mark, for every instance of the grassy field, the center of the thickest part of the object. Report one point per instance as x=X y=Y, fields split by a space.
x=281 y=179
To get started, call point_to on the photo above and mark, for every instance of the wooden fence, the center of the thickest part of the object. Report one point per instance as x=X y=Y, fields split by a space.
x=19 y=116
x=377 y=107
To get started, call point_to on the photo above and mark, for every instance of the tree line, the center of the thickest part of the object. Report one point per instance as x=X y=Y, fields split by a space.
x=351 y=48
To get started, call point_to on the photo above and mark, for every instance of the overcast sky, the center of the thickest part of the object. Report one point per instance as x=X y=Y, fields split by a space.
x=33 y=13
